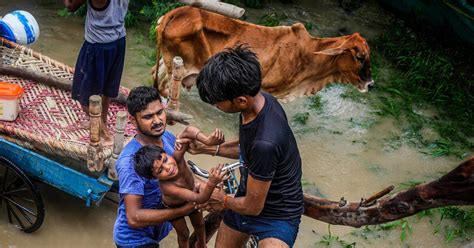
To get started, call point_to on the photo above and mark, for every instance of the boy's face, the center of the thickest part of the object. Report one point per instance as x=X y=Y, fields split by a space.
x=227 y=106
x=165 y=168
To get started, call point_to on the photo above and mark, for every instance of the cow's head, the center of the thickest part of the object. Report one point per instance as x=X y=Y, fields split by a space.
x=352 y=61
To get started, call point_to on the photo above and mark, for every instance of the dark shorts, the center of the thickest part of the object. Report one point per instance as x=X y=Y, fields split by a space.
x=140 y=246
x=98 y=70
x=262 y=228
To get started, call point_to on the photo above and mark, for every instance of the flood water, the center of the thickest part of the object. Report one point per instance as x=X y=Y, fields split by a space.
x=344 y=145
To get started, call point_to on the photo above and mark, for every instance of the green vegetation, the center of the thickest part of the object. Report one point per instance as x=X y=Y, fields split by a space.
x=428 y=74
x=330 y=240
x=273 y=19
x=301 y=118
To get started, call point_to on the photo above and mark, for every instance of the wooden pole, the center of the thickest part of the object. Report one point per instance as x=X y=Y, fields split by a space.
x=217 y=7
x=118 y=143
x=95 y=161
x=177 y=76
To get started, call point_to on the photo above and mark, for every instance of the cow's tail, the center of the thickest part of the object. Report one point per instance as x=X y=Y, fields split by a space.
x=159 y=38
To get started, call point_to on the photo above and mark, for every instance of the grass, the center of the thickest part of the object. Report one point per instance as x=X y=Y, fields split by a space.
x=428 y=74
x=301 y=118
x=273 y=19
x=334 y=240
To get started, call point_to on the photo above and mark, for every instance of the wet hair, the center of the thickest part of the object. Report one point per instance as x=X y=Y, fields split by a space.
x=140 y=97
x=229 y=74
x=144 y=159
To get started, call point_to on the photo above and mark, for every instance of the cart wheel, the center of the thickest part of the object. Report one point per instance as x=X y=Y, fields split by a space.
x=20 y=197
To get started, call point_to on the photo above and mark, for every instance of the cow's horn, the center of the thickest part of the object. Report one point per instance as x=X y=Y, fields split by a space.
x=331 y=51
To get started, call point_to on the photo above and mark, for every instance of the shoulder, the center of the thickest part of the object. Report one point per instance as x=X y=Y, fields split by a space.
x=264 y=146
x=168 y=142
x=126 y=156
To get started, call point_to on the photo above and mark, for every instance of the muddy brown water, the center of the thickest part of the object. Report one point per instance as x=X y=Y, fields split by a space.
x=343 y=146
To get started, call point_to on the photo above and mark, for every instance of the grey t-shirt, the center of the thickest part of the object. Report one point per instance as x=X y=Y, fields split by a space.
x=106 y=24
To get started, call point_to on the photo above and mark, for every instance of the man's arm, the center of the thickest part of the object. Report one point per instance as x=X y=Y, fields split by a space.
x=229 y=149
x=73 y=5
x=138 y=217
x=216 y=176
x=250 y=204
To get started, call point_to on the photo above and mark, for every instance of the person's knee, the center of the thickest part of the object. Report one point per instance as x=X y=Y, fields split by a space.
x=271 y=242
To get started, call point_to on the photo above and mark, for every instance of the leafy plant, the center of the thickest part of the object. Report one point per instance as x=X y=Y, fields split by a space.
x=272 y=19
x=329 y=239
x=301 y=118
x=315 y=102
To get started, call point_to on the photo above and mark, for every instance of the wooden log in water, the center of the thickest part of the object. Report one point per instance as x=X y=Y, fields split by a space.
x=453 y=189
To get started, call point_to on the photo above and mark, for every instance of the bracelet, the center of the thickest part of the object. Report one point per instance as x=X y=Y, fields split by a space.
x=196 y=137
x=224 y=204
x=217 y=150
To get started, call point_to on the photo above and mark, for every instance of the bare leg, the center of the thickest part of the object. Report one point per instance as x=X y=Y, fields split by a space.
x=198 y=223
x=182 y=232
x=228 y=237
x=86 y=124
x=272 y=242
x=105 y=134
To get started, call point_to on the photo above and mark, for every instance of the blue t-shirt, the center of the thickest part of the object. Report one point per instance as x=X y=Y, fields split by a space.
x=133 y=184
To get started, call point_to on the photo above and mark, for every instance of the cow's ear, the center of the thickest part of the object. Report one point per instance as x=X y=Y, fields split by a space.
x=331 y=51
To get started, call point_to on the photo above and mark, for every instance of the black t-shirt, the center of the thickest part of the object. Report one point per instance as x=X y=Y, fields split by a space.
x=269 y=151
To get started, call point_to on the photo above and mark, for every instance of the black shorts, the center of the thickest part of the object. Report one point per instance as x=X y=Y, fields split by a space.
x=98 y=70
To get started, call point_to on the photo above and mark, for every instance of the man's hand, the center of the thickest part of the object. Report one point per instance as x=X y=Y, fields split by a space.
x=178 y=145
x=217 y=175
x=195 y=147
x=216 y=138
x=210 y=206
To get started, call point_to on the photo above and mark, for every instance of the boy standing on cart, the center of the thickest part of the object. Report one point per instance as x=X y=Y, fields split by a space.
x=100 y=62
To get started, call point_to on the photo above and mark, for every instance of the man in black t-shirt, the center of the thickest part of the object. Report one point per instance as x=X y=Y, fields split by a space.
x=269 y=201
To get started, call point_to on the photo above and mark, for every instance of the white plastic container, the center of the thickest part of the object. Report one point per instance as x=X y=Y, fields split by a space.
x=20 y=27
x=9 y=103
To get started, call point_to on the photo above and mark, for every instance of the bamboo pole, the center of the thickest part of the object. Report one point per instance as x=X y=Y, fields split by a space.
x=177 y=76
x=118 y=143
x=95 y=160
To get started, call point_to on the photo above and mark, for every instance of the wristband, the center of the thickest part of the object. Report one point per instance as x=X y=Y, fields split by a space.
x=224 y=204
x=217 y=150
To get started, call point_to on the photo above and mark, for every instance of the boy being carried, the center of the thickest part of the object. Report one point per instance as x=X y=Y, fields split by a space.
x=177 y=180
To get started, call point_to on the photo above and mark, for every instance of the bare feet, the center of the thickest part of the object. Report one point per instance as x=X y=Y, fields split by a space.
x=105 y=137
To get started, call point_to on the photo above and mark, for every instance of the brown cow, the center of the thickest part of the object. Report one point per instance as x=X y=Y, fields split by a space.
x=293 y=62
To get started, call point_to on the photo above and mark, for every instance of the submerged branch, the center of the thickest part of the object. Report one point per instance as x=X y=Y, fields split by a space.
x=454 y=188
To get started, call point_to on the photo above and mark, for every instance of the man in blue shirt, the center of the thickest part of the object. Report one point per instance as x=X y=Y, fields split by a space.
x=140 y=220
